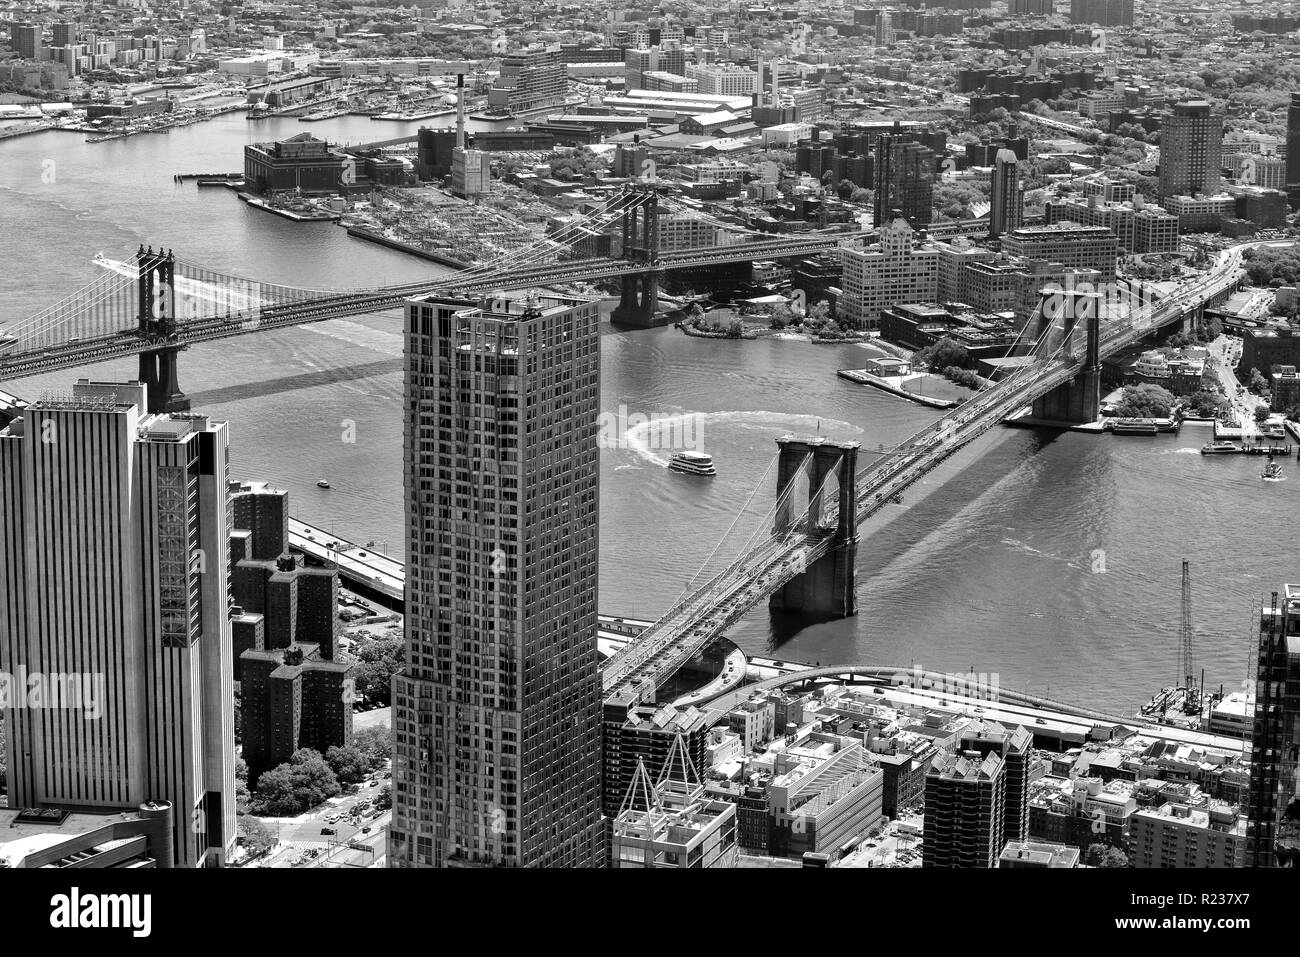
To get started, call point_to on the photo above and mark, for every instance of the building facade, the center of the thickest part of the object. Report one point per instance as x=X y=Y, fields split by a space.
x=497 y=718
x=132 y=600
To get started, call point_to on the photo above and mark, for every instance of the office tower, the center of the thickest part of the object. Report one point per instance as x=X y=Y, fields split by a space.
x=26 y=41
x=1293 y=150
x=497 y=718
x=965 y=802
x=904 y=180
x=1272 y=834
x=1191 y=140
x=132 y=597
x=65 y=34
x=289 y=699
x=1030 y=7
x=1007 y=206
x=1106 y=13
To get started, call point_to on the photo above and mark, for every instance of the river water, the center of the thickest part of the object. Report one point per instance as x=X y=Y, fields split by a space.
x=1052 y=560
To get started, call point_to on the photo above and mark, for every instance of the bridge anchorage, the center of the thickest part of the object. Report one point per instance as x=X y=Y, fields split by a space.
x=157 y=319
x=639 y=294
x=823 y=586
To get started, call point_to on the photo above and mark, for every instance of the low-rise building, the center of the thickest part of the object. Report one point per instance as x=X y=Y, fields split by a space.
x=1176 y=835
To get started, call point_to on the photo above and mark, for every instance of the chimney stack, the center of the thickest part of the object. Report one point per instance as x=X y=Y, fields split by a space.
x=460 y=111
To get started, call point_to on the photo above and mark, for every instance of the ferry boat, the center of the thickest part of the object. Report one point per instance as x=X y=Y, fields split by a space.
x=322 y=484
x=1219 y=448
x=693 y=463
x=1272 y=471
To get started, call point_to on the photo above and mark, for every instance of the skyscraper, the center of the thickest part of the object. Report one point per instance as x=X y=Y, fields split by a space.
x=1272 y=835
x=1007 y=200
x=1191 y=138
x=497 y=717
x=1293 y=150
x=904 y=180
x=113 y=552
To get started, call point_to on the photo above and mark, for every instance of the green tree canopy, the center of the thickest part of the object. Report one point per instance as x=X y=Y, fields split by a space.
x=1145 y=401
x=349 y=763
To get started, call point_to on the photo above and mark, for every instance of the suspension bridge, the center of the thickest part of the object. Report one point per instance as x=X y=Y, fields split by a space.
x=800 y=553
x=802 y=558
x=157 y=304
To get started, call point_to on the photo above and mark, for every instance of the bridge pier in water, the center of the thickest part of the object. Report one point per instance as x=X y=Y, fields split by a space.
x=639 y=294
x=1079 y=400
x=157 y=318
x=825 y=586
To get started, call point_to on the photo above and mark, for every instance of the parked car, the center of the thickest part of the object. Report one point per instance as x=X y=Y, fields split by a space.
x=328 y=830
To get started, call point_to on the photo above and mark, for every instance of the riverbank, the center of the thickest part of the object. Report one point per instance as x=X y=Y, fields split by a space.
x=360 y=232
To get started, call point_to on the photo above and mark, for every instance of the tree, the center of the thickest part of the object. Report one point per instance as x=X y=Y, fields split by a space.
x=374 y=680
x=1256 y=382
x=942 y=354
x=1205 y=404
x=1262 y=412
x=258 y=838
x=384 y=799
x=243 y=798
x=962 y=377
x=376 y=743
x=348 y=763
x=303 y=782
x=1103 y=855
x=1145 y=402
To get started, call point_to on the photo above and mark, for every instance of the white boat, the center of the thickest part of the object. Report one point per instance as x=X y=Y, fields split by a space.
x=322 y=484
x=1272 y=471
x=692 y=463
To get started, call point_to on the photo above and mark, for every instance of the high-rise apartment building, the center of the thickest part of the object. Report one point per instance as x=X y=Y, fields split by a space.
x=114 y=580
x=1293 y=150
x=1272 y=834
x=965 y=811
x=1191 y=139
x=535 y=78
x=1007 y=197
x=65 y=34
x=497 y=718
x=26 y=41
x=904 y=180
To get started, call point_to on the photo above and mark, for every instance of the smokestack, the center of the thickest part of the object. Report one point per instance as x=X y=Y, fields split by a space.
x=460 y=111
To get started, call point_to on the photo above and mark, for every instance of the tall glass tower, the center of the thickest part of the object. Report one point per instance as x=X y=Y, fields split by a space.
x=497 y=715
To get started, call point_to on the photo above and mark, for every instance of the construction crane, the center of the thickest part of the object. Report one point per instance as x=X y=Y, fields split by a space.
x=1191 y=699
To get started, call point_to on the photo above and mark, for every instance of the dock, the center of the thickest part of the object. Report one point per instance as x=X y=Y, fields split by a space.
x=863 y=377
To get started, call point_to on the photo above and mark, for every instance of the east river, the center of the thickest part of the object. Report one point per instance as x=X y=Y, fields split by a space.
x=1050 y=559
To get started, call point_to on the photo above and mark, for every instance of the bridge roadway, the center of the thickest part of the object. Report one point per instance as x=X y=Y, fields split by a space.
x=328 y=306
x=692 y=624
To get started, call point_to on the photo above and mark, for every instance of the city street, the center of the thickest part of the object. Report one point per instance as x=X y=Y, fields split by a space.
x=1224 y=354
